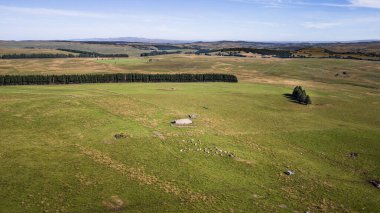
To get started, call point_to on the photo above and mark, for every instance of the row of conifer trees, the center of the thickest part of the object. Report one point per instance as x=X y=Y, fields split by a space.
x=112 y=78
x=153 y=53
x=58 y=55
x=36 y=55
x=299 y=94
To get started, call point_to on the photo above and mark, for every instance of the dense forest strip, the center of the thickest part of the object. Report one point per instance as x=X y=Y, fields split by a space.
x=78 y=54
x=87 y=54
x=153 y=53
x=112 y=78
x=36 y=55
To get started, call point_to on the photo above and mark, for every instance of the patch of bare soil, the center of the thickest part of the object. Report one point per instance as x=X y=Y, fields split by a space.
x=114 y=203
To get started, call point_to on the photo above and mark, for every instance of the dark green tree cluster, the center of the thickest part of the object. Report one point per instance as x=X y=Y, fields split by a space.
x=82 y=54
x=36 y=55
x=153 y=53
x=231 y=54
x=87 y=54
x=203 y=51
x=299 y=94
x=166 y=47
x=112 y=78
x=276 y=53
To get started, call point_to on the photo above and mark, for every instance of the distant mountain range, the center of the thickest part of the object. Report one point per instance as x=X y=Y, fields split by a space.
x=168 y=41
x=135 y=39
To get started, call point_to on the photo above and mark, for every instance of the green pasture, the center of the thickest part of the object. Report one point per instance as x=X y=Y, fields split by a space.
x=58 y=152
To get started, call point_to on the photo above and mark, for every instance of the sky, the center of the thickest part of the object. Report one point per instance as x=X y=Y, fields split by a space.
x=207 y=20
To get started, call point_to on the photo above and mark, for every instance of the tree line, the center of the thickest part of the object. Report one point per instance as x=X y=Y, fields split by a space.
x=352 y=53
x=299 y=94
x=80 y=54
x=231 y=54
x=343 y=55
x=276 y=53
x=36 y=55
x=87 y=54
x=153 y=53
x=112 y=78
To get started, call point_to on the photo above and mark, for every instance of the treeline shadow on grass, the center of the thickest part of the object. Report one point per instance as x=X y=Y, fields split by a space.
x=292 y=99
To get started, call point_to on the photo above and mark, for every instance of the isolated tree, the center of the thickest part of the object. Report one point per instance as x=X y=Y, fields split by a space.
x=300 y=95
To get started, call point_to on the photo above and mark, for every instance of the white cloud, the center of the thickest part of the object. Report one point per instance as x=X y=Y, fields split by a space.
x=85 y=14
x=350 y=3
x=320 y=25
x=366 y=3
x=50 y=12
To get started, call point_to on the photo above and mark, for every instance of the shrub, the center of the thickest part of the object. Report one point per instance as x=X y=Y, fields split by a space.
x=299 y=94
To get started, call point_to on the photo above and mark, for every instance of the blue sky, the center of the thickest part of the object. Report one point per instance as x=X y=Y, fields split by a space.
x=253 y=20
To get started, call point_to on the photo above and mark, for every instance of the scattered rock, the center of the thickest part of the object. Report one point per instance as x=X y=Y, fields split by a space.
x=283 y=206
x=375 y=183
x=354 y=155
x=289 y=172
x=182 y=122
x=114 y=203
x=120 y=136
x=193 y=116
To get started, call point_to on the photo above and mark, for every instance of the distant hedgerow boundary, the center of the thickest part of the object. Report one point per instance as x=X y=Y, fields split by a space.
x=112 y=78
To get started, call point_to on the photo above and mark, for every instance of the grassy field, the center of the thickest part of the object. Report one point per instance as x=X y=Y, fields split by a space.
x=58 y=152
x=361 y=73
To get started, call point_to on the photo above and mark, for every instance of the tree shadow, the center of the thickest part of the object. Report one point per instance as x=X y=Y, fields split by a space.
x=291 y=98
